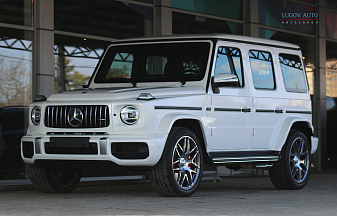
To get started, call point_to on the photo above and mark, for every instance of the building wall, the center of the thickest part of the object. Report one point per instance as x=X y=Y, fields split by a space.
x=48 y=46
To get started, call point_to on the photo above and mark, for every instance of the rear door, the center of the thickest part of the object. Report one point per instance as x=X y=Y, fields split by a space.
x=266 y=96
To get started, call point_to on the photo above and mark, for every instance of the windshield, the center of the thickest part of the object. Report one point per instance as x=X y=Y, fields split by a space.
x=155 y=62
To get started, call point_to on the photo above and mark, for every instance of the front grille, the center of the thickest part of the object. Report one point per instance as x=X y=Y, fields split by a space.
x=94 y=116
x=128 y=150
x=91 y=149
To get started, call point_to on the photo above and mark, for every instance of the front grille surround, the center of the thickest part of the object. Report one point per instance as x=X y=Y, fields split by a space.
x=94 y=116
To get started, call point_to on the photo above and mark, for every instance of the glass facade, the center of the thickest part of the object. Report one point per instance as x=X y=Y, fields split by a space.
x=330 y=24
x=106 y=18
x=74 y=60
x=223 y=8
x=288 y=15
x=331 y=105
x=191 y=24
x=18 y=12
x=15 y=96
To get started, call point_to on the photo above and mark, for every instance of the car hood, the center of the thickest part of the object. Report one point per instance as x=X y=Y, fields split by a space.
x=125 y=93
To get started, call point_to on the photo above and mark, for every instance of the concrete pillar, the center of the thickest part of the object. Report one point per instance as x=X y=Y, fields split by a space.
x=43 y=48
x=163 y=17
x=250 y=18
x=320 y=116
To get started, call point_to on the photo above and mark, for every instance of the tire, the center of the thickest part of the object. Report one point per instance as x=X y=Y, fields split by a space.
x=54 y=179
x=178 y=172
x=293 y=170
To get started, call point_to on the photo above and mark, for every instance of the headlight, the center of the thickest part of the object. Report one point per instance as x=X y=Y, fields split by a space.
x=130 y=115
x=36 y=115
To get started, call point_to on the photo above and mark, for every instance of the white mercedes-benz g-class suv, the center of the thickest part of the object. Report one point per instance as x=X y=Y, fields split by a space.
x=175 y=104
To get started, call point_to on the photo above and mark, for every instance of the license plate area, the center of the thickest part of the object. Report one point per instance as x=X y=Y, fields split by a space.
x=70 y=142
x=70 y=145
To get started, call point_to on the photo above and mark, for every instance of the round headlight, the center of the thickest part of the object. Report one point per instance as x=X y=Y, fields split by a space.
x=36 y=115
x=130 y=115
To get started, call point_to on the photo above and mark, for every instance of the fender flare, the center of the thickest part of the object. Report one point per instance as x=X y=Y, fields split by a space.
x=285 y=129
x=167 y=123
x=169 y=119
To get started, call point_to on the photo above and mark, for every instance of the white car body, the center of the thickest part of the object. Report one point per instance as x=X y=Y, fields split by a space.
x=237 y=125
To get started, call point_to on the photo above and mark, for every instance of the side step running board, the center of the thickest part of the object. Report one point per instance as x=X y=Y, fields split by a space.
x=244 y=157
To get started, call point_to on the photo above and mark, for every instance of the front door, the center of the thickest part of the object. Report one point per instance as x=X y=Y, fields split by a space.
x=231 y=125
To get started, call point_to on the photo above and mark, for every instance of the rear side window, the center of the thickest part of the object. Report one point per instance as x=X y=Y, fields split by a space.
x=262 y=69
x=229 y=61
x=292 y=72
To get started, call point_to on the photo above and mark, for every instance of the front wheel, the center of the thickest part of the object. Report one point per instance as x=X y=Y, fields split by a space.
x=54 y=179
x=179 y=171
x=293 y=170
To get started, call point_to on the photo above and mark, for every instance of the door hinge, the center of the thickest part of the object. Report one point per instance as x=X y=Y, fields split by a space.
x=253 y=131
x=211 y=131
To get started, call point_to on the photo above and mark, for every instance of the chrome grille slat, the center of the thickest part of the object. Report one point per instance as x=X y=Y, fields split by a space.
x=100 y=117
x=61 y=117
x=90 y=116
x=48 y=114
x=52 y=117
x=94 y=116
x=56 y=118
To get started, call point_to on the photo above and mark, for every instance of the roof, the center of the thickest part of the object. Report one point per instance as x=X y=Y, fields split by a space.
x=234 y=38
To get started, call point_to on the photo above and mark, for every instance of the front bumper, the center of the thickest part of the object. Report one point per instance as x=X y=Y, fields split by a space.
x=37 y=151
x=314 y=144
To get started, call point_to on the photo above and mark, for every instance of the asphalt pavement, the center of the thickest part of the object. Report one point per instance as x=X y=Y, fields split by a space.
x=239 y=195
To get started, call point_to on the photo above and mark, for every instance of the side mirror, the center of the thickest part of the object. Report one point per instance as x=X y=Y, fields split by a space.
x=224 y=80
x=85 y=83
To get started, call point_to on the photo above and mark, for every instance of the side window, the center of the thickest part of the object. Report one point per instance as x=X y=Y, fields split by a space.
x=121 y=66
x=292 y=72
x=229 y=61
x=262 y=69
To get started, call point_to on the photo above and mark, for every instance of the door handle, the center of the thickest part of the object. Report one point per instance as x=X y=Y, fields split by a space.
x=278 y=111
x=246 y=110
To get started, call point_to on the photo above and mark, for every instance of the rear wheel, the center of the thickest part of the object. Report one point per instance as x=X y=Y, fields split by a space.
x=179 y=171
x=54 y=179
x=293 y=170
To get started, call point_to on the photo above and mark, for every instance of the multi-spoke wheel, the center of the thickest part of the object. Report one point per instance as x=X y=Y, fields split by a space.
x=179 y=170
x=299 y=160
x=186 y=162
x=293 y=170
x=54 y=179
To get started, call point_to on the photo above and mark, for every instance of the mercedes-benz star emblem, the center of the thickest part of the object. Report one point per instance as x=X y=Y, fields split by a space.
x=75 y=117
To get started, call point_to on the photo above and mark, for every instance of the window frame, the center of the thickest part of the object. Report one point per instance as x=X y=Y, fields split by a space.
x=272 y=67
x=241 y=65
x=306 y=88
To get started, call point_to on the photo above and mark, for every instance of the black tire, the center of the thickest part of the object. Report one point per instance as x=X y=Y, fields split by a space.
x=179 y=171
x=293 y=170
x=50 y=179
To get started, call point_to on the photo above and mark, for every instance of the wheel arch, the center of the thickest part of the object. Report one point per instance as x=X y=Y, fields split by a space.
x=196 y=126
x=188 y=121
x=293 y=123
